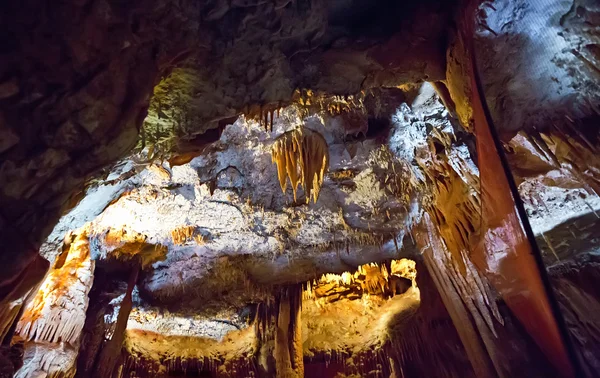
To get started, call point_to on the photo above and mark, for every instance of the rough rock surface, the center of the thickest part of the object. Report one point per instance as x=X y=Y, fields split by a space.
x=247 y=232
x=76 y=80
x=52 y=322
x=540 y=63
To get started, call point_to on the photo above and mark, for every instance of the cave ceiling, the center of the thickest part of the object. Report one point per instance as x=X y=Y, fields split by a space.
x=81 y=99
x=222 y=220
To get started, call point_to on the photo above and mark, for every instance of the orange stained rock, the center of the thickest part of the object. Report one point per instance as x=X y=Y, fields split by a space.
x=57 y=312
x=505 y=255
x=303 y=156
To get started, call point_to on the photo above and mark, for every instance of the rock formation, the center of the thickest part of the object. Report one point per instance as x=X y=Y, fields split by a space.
x=299 y=188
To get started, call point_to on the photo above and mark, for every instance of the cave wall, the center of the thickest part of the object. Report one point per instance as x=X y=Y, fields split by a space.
x=77 y=77
x=562 y=135
x=76 y=81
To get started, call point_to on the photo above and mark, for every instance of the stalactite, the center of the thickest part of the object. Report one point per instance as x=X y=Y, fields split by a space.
x=57 y=313
x=302 y=156
x=183 y=234
x=454 y=203
x=141 y=365
x=263 y=114
x=371 y=279
x=48 y=361
x=313 y=102
x=285 y=316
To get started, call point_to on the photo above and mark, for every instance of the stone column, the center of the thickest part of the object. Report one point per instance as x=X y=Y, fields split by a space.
x=289 y=361
x=112 y=349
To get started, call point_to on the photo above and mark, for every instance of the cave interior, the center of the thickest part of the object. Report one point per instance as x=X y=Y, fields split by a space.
x=299 y=188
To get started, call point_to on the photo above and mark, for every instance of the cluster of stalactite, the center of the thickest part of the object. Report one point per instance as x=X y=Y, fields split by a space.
x=307 y=102
x=301 y=155
x=424 y=344
x=317 y=101
x=49 y=316
x=447 y=236
x=263 y=114
x=277 y=323
x=372 y=279
x=370 y=362
x=51 y=326
x=408 y=355
x=455 y=209
x=51 y=323
x=181 y=235
x=451 y=233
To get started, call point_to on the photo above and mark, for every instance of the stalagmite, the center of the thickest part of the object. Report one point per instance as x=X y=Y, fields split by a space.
x=289 y=361
x=303 y=156
x=111 y=350
x=296 y=349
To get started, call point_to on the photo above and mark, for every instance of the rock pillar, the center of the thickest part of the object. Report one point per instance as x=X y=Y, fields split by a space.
x=288 y=335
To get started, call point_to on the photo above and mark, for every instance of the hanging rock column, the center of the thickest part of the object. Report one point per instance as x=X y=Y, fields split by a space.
x=51 y=323
x=288 y=351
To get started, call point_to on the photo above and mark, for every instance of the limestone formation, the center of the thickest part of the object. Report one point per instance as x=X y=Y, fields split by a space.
x=303 y=156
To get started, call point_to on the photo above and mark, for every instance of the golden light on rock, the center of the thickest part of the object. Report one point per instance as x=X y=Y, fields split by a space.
x=311 y=102
x=57 y=313
x=158 y=147
x=354 y=313
x=384 y=280
x=301 y=155
x=182 y=234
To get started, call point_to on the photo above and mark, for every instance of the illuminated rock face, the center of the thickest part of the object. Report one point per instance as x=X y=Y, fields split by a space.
x=247 y=233
x=69 y=111
x=197 y=266
x=52 y=322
